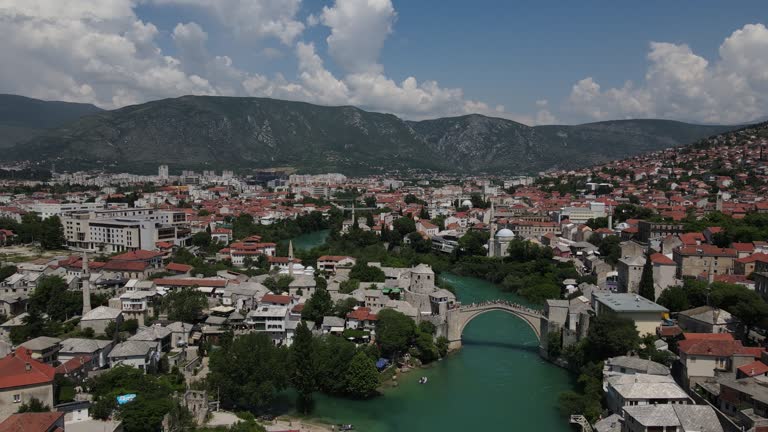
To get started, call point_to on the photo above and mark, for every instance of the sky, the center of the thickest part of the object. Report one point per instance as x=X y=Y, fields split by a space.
x=536 y=62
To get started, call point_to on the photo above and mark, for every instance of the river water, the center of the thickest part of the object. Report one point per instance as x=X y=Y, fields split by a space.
x=310 y=240
x=495 y=382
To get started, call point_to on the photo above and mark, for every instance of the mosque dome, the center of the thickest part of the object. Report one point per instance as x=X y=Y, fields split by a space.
x=466 y=203
x=505 y=233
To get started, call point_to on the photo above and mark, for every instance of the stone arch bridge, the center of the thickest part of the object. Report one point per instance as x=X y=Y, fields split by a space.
x=458 y=318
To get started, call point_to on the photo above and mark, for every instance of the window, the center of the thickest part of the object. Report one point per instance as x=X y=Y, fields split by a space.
x=17 y=398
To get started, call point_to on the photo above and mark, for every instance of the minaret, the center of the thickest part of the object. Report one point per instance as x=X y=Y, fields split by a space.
x=354 y=222
x=290 y=258
x=492 y=227
x=86 y=276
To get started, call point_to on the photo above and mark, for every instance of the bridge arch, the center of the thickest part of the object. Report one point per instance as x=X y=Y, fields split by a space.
x=458 y=318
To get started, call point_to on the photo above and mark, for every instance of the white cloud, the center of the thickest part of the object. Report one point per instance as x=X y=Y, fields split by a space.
x=97 y=52
x=260 y=18
x=680 y=84
x=358 y=31
x=102 y=53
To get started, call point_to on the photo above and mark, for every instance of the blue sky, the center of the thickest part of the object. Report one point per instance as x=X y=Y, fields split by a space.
x=532 y=61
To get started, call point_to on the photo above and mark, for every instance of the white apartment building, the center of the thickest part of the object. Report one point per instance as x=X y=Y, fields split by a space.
x=579 y=215
x=48 y=208
x=120 y=230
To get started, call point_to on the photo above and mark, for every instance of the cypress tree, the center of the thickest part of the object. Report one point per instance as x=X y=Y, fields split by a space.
x=646 y=288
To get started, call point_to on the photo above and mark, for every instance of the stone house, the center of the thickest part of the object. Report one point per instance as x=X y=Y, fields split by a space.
x=43 y=348
x=99 y=318
x=703 y=259
x=22 y=378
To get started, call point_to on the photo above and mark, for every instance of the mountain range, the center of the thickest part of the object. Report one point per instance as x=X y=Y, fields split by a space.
x=210 y=132
x=23 y=118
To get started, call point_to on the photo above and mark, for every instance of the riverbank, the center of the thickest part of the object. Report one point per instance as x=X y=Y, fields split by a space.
x=291 y=423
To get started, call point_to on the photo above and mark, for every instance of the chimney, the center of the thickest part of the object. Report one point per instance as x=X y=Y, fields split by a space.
x=27 y=367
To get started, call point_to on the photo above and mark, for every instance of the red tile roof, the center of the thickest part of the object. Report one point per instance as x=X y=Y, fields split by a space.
x=191 y=282
x=176 y=267
x=31 y=422
x=14 y=373
x=761 y=257
x=661 y=259
x=709 y=347
x=707 y=250
x=754 y=369
x=135 y=266
x=333 y=258
x=138 y=255
x=708 y=336
x=668 y=331
x=362 y=314
x=743 y=247
x=277 y=299
x=73 y=364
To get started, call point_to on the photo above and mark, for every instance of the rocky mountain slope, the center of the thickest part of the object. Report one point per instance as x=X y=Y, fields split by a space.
x=203 y=131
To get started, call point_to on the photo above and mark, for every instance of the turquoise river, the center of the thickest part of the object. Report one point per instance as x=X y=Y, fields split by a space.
x=495 y=382
x=310 y=240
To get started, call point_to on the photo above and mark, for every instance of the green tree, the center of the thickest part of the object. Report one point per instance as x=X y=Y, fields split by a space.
x=427 y=327
x=403 y=226
x=143 y=414
x=304 y=366
x=419 y=243
x=344 y=306
x=34 y=325
x=318 y=306
x=51 y=297
x=365 y=273
x=473 y=243
x=362 y=378
x=249 y=373
x=201 y=239
x=334 y=354
x=426 y=350
x=554 y=344
x=34 y=405
x=185 y=305
x=7 y=271
x=394 y=331
x=610 y=335
x=646 y=287
x=674 y=299
x=348 y=286
x=279 y=285
x=52 y=233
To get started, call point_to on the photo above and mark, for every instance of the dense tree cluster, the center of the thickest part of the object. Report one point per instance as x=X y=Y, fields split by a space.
x=739 y=300
x=49 y=232
x=244 y=226
x=249 y=371
x=528 y=271
x=609 y=335
x=153 y=401
x=184 y=305
x=365 y=273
